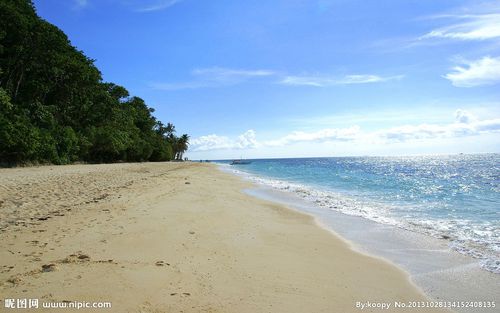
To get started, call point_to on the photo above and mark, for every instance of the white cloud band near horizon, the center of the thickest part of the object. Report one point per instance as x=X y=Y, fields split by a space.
x=484 y=71
x=247 y=140
x=465 y=124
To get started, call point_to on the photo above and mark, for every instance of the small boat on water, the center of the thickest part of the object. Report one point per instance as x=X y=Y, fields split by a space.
x=240 y=162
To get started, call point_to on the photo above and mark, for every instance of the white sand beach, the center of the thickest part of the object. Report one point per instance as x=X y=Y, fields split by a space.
x=176 y=237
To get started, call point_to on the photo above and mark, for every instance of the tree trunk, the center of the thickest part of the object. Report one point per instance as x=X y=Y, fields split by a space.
x=18 y=84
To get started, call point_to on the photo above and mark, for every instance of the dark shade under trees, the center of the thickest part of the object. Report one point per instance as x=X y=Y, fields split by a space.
x=55 y=107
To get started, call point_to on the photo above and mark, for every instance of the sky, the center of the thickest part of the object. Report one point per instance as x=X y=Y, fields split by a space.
x=302 y=78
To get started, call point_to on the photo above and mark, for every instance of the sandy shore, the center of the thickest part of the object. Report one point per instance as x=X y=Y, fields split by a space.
x=175 y=237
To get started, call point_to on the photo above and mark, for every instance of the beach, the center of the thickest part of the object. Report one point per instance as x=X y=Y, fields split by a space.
x=177 y=237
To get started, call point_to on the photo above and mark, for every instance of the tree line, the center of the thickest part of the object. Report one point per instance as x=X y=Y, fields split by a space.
x=55 y=107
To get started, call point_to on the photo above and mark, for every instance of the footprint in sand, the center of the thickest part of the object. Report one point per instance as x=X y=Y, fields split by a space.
x=162 y=263
x=15 y=280
x=76 y=258
x=49 y=267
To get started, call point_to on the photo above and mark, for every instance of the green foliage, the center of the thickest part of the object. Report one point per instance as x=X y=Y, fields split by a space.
x=67 y=145
x=55 y=108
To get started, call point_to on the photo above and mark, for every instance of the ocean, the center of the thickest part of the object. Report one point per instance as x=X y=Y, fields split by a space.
x=455 y=198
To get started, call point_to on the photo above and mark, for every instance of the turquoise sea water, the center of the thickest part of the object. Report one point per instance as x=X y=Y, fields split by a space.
x=454 y=197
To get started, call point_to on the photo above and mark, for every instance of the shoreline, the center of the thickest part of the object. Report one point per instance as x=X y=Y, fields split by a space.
x=437 y=271
x=166 y=237
x=432 y=266
x=458 y=208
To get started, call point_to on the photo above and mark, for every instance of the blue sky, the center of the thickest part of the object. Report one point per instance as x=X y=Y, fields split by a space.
x=296 y=78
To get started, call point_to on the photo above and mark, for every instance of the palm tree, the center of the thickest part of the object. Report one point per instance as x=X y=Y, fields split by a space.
x=160 y=129
x=182 y=144
x=170 y=130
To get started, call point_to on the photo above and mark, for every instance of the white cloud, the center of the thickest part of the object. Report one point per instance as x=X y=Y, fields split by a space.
x=215 y=77
x=306 y=81
x=469 y=27
x=210 y=142
x=462 y=116
x=424 y=131
x=488 y=126
x=220 y=73
x=246 y=140
x=485 y=71
x=364 y=79
x=221 y=77
x=465 y=124
x=328 y=134
x=159 y=5
x=324 y=81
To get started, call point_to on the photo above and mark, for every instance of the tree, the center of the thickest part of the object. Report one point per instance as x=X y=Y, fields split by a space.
x=55 y=108
x=182 y=144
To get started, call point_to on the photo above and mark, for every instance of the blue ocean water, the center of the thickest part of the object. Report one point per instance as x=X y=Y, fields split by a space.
x=455 y=197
